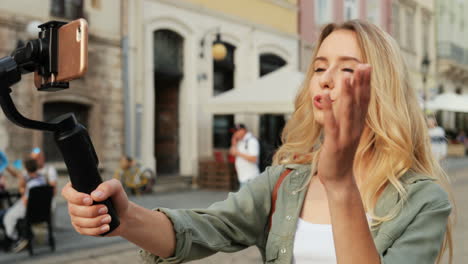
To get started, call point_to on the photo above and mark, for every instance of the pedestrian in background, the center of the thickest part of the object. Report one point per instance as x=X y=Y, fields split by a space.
x=246 y=149
x=438 y=140
x=131 y=176
x=463 y=139
x=353 y=182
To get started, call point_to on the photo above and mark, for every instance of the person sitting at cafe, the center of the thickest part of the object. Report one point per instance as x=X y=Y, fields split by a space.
x=10 y=216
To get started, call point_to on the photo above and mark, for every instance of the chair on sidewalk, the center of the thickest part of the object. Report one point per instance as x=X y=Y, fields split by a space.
x=38 y=211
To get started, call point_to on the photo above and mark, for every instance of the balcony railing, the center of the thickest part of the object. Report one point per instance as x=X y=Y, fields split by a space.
x=451 y=51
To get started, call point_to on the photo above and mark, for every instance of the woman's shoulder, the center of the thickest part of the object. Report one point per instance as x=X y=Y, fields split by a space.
x=425 y=189
x=421 y=193
x=275 y=171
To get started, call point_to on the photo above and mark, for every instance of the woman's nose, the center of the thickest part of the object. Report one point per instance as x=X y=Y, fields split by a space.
x=326 y=80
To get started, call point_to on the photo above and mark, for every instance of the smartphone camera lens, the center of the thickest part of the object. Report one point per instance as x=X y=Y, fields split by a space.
x=78 y=34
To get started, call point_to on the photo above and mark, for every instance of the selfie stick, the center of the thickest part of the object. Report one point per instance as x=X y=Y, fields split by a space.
x=71 y=137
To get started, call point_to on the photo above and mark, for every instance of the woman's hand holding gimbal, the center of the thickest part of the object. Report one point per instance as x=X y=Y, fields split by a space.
x=150 y=230
x=93 y=220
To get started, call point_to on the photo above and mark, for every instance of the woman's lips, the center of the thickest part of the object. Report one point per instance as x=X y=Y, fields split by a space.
x=318 y=102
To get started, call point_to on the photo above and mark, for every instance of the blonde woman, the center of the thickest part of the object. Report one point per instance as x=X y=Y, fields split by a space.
x=361 y=184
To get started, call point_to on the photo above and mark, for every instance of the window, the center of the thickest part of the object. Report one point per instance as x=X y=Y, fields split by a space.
x=440 y=89
x=270 y=62
x=223 y=71
x=221 y=134
x=322 y=11
x=69 y=9
x=351 y=9
x=373 y=12
x=396 y=22
x=168 y=53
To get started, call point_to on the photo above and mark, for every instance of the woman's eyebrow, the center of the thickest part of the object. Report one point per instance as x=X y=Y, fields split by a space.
x=345 y=58
x=340 y=58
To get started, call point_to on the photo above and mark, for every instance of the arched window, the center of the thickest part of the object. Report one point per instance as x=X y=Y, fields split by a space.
x=270 y=62
x=168 y=54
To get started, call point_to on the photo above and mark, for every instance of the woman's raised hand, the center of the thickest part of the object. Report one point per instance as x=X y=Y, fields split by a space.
x=343 y=127
x=93 y=220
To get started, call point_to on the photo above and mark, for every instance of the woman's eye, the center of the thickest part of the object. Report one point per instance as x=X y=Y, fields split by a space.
x=319 y=70
x=348 y=70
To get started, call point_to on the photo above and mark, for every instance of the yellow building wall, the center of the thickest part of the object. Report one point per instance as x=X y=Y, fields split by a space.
x=277 y=14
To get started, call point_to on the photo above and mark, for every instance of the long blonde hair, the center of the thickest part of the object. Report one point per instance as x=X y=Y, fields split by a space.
x=395 y=139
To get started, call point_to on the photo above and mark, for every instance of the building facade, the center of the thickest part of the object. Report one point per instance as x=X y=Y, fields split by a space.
x=410 y=22
x=314 y=14
x=172 y=73
x=96 y=99
x=452 y=57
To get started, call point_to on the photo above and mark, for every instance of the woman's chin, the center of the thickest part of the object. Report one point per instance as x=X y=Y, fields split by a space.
x=318 y=116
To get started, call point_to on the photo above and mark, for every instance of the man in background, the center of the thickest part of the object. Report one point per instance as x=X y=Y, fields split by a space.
x=246 y=149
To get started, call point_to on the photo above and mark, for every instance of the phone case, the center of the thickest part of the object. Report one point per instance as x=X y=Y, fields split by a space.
x=72 y=52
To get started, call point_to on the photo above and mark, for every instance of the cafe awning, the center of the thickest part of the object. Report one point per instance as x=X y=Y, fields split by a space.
x=273 y=93
x=449 y=102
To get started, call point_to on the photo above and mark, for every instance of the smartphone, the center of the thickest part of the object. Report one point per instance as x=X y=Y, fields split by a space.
x=72 y=53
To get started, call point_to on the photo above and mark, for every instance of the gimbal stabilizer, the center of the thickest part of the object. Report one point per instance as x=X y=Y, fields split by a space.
x=71 y=137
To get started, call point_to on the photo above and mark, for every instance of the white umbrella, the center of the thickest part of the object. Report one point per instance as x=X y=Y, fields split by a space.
x=273 y=93
x=449 y=102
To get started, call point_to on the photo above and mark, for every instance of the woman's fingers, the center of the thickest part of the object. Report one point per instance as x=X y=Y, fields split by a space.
x=96 y=222
x=87 y=219
x=75 y=197
x=346 y=113
x=362 y=94
x=95 y=231
x=93 y=219
x=106 y=189
x=330 y=123
x=355 y=99
x=87 y=211
x=365 y=89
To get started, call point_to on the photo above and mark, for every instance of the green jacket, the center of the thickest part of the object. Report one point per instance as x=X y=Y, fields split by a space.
x=414 y=236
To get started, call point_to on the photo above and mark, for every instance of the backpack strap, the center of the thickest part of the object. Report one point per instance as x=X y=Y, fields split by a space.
x=274 y=195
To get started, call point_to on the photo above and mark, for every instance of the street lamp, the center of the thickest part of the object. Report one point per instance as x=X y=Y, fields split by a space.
x=424 y=70
x=218 y=49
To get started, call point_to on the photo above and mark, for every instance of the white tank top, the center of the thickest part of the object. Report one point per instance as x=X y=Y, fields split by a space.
x=313 y=243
